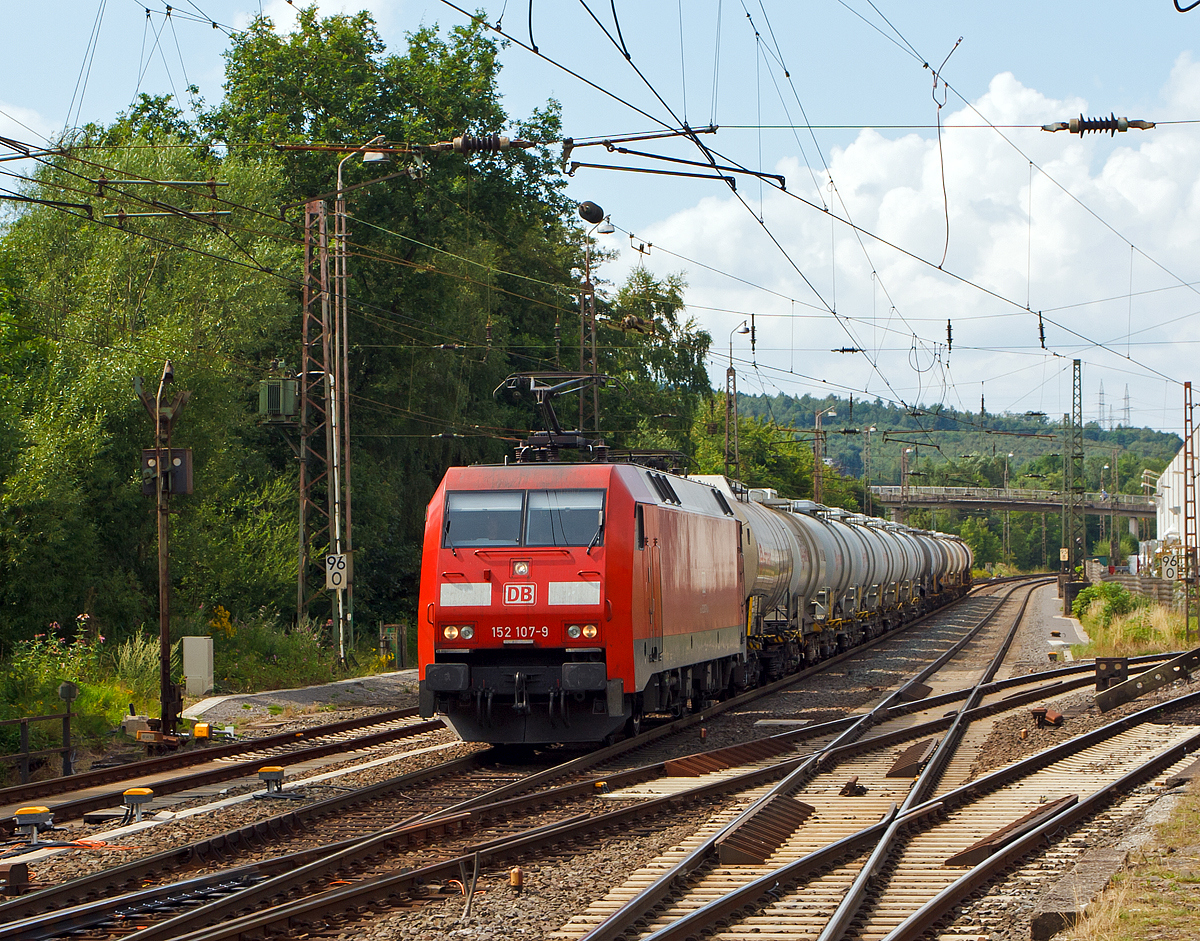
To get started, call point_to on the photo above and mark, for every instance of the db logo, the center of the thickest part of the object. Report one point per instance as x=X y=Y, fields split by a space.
x=520 y=594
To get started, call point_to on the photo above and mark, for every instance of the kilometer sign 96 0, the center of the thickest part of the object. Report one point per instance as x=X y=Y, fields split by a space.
x=337 y=570
x=1171 y=567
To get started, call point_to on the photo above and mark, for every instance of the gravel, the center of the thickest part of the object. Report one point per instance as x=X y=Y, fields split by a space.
x=557 y=888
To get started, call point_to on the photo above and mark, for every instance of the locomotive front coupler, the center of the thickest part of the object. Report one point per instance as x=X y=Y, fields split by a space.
x=521 y=694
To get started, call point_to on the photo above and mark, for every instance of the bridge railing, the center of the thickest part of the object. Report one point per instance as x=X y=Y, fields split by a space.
x=892 y=494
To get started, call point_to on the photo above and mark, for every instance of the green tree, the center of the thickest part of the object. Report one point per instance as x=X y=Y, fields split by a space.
x=96 y=304
x=985 y=545
x=659 y=356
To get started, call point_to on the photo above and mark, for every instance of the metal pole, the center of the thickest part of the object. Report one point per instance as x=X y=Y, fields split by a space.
x=731 y=419
x=341 y=320
x=817 y=462
x=332 y=432
x=1189 y=511
x=166 y=696
x=867 y=474
x=66 y=737
x=310 y=212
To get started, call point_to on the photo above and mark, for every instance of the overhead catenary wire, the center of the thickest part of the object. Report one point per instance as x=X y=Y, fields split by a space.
x=1026 y=305
x=85 y=68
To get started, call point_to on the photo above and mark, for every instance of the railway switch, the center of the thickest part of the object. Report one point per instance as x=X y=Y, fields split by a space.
x=31 y=820
x=136 y=798
x=272 y=777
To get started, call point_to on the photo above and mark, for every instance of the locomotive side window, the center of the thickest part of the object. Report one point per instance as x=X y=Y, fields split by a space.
x=639 y=527
x=483 y=518
x=565 y=518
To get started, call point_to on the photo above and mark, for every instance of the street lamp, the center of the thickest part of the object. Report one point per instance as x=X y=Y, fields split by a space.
x=338 y=400
x=819 y=454
x=731 y=404
x=590 y=212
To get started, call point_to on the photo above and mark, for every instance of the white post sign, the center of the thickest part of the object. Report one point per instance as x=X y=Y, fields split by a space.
x=1171 y=569
x=337 y=571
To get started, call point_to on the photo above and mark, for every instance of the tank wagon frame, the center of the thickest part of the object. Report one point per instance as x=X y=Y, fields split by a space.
x=564 y=602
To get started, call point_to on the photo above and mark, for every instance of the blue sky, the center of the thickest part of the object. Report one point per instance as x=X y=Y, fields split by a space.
x=1057 y=237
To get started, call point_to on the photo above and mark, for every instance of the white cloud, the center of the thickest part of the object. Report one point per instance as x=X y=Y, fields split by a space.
x=24 y=125
x=1144 y=185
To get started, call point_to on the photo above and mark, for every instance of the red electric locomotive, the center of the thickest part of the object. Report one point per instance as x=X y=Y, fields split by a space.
x=561 y=601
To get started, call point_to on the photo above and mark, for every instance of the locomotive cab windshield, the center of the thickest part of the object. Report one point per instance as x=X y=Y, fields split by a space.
x=524 y=518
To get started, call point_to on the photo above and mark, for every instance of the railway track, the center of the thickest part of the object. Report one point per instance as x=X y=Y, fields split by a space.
x=94 y=790
x=448 y=831
x=854 y=841
x=467 y=833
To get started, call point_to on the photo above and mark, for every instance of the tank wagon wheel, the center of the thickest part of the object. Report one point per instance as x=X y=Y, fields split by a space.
x=633 y=725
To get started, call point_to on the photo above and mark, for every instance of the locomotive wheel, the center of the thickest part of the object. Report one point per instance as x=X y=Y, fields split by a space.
x=633 y=725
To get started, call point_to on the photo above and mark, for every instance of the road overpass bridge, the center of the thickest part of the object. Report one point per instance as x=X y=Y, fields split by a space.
x=988 y=498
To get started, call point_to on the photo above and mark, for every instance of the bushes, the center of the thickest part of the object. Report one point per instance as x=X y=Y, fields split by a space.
x=260 y=653
x=256 y=654
x=1148 y=629
x=1101 y=603
x=29 y=685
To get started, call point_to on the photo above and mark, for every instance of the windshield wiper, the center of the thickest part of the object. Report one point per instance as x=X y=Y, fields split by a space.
x=595 y=539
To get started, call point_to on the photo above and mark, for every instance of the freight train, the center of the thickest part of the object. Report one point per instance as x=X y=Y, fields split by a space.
x=563 y=602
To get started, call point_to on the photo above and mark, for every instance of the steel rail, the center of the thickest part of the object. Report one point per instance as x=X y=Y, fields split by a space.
x=693 y=924
x=617 y=923
x=39 y=790
x=492 y=802
x=418 y=829
x=945 y=901
x=56 y=898
x=135 y=871
x=74 y=809
x=292 y=914
x=852 y=902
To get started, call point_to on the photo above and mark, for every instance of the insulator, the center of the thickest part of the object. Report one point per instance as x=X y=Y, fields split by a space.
x=1112 y=124
x=949 y=337
x=490 y=144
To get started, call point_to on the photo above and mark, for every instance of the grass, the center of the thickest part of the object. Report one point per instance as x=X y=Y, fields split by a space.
x=1148 y=628
x=250 y=655
x=1158 y=896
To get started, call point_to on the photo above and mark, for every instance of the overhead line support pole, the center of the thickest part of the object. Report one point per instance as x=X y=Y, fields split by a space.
x=1076 y=524
x=1189 y=513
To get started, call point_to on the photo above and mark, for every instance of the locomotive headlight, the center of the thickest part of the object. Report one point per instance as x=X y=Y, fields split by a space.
x=450 y=632
x=573 y=631
x=467 y=632
x=589 y=630
x=520 y=569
